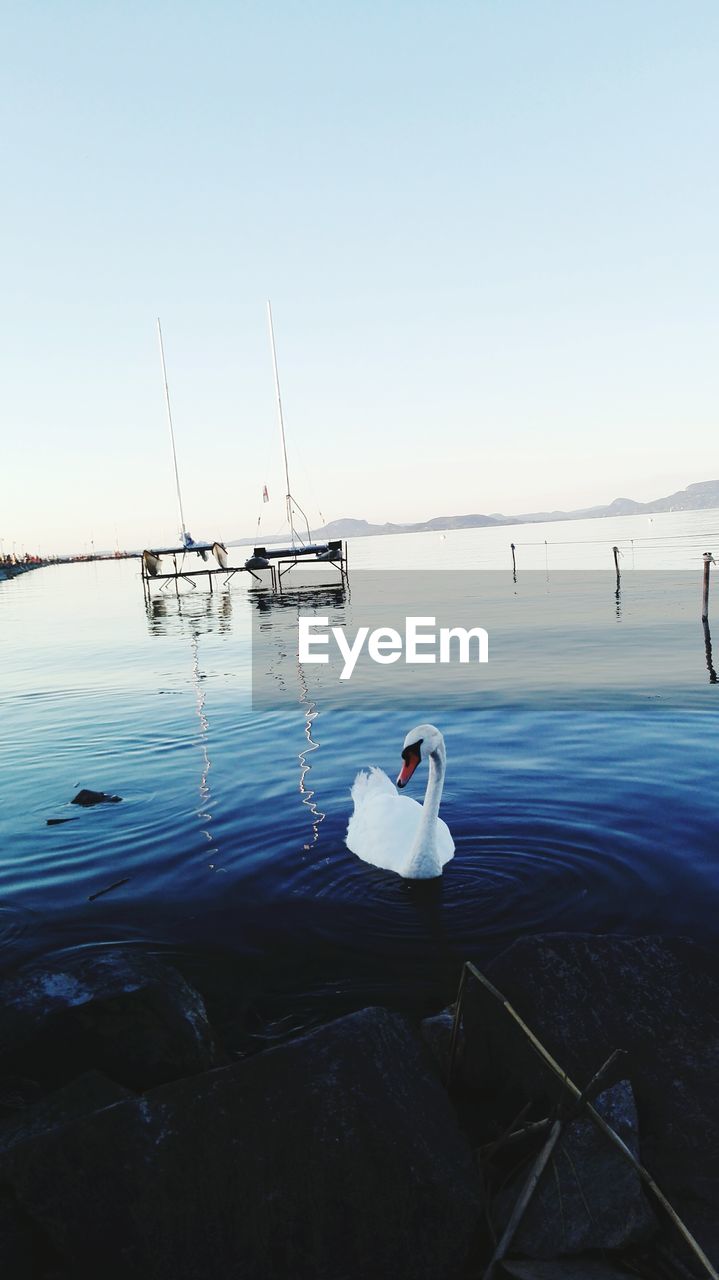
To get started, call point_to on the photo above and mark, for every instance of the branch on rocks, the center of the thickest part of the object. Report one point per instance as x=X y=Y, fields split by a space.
x=582 y=1104
x=542 y=1161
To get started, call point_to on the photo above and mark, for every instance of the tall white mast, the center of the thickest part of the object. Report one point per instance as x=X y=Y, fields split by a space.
x=172 y=433
x=288 y=495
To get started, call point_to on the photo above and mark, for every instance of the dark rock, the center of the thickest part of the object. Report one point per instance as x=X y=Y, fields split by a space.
x=17 y=1093
x=16 y=1241
x=121 y=1012
x=335 y=1156
x=437 y=1035
x=584 y=996
x=703 y=1222
x=564 y=1269
x=85 y=1095
x=25 y=1250
x=588 y=1197
x=87 y=798
x=25 y=1253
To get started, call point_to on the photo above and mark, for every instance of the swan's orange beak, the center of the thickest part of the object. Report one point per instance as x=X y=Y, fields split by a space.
x=411 y=758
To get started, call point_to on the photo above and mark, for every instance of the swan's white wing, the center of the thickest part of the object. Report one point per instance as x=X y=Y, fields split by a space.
x=445 y=843
x=383 y=824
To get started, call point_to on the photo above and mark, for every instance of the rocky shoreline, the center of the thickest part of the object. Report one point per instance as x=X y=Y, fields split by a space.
x=135 y=1142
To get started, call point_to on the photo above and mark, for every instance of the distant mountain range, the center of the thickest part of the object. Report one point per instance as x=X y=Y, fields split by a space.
x=696 y=497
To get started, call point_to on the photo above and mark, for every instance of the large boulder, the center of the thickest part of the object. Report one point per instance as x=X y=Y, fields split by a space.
x=588 y=1197
x=335 y=1156
x=584 y=996
x=26 y=1251
x=22 y=1252
x=121 y=1012
x=85 y=1095
x=437 y=1034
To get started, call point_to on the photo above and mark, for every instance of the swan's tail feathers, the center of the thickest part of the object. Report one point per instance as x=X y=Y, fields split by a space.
x=359 y=788
x=368 y=784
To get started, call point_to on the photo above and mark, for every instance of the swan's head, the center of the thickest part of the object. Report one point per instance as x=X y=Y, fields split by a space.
x=420 y=742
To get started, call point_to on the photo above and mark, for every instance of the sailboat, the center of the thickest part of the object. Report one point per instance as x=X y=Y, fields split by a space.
x=151 y=558
x=323 y=551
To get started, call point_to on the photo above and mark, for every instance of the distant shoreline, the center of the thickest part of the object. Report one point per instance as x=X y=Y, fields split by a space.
x=350 y=528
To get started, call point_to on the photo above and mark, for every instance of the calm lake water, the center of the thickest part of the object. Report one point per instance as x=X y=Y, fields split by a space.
x=568 y=813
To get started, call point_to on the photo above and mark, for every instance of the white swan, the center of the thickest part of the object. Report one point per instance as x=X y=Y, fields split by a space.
x=394 y=832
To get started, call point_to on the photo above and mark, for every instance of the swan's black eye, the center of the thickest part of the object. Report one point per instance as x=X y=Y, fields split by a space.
x=413 y=752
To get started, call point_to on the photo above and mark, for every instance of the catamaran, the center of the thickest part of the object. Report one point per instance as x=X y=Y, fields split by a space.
x=262 y=556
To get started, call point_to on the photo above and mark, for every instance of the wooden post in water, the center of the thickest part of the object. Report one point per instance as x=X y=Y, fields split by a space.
x=713 y=678
x=616 y=565
x=708 y=562
x=514 y=557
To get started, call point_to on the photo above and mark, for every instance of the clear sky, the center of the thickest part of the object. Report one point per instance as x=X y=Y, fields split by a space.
x=489 y=231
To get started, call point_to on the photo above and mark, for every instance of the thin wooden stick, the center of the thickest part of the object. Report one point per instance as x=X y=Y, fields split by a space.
x=595 y=1117
x=525 y=1198
x=541 y=1162
x=455 y=1025
x=512 y=1135
x=593 y=1087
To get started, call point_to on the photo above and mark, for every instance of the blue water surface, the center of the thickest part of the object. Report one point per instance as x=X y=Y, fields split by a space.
x=566 y=815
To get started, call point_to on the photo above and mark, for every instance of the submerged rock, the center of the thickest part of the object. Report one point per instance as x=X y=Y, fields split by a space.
x=124 y=1013
x=87 y=798
x=335 y=1156
x=588 y=1197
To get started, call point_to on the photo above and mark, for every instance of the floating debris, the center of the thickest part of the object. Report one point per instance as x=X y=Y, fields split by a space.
x=109 y=888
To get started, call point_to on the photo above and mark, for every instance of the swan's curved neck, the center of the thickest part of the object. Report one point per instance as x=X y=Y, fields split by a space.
x=424 y=849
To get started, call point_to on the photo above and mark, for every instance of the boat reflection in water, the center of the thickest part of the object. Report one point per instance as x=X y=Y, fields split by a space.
x=192 y=613
x=278 y=622
x=196 y=615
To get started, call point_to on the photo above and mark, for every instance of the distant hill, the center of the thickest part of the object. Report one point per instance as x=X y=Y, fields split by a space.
x=696 y=497
x=349 y=528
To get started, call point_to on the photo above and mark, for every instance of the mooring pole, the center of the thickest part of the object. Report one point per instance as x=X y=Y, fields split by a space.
x=616 y=564
x=713 y=679
x=514 y=558
x=708 y=562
